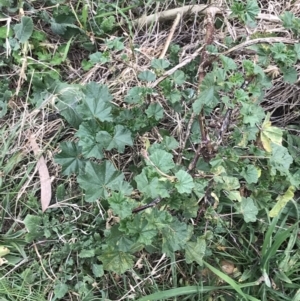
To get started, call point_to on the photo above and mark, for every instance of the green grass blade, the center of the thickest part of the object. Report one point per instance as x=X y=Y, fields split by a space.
x=66 y=51
x=297 y=296
x=267 y=240
x=190 y=290
x=280 y=238
x=227 y=279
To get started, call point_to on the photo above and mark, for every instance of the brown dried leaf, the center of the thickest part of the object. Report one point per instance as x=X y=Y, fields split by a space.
x=45 y=179
x=227 y=267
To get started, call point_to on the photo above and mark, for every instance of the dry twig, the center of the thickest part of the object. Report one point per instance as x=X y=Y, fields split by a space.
x=169 y=39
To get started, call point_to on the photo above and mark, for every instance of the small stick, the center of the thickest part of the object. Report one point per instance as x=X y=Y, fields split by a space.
x=171 y=14
x=180 y=65
x=225 y=125
x=152 y=204
x=187 y=135
x=190 y=9
x=167 y=44
x=260 y=41
x=205 y=146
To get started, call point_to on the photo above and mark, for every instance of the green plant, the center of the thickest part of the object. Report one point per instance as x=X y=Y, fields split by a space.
x=242 y=177
x=185 y=168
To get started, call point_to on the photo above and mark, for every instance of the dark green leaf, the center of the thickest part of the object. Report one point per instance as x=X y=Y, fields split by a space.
x=248 y=209
x=86 y=253
x=195 y=251
x=98 y=270
x=33 y=226
x=95 y=108
x=121 y=138
x=185 y=182
x=161 y=159
x=151 y=188
x=155 y=110
x=294 y=147
x=209 y=95
x=58 y=28
x=175 y=235
x=24 y=30
x=283 y=55
x=237 y=9
x=117 y=236
x=279 y=51
x=147 y=76
x=295 y=179
x=60 y=290
x=136 y=95
x=70 y=158
x=200 y=188
x=61 y=28
x=160 y=64
x=253 y=113
x=288 y=19
x=122 y=186
x=190 y=208
x=159 y=219
x=87 y=134
x=143 y=230
x=68 y=98
x=252 y=10
x=99 y=57
x=3 y=108
x=178 y=77
x=121 y=205
x=259 y=71
x=103 y=138
x=6 y=4
x=251 y=174
x=97 y=180
x=228 y=183
x=228 y=63
x=174 y=96
x=280 y=159
x=170 y=143
x=115 y=44
x=297 y=50
x=5 y=95
x=290 y=75
x=116 y=261
x=96 y=102
x=97 y=91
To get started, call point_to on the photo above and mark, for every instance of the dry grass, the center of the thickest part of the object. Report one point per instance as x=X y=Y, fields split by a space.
x=145 y=44
x=120 y=76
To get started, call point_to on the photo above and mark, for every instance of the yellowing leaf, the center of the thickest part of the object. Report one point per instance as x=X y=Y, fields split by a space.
x=244 y=140
x=146 y=143
x=234 y=195
x=3 y=261
x=4 y=251
x=227 y=267
x=270 y=134
x=282 y=201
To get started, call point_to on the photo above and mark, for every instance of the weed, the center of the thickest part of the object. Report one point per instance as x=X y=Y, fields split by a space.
x=170 y=176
